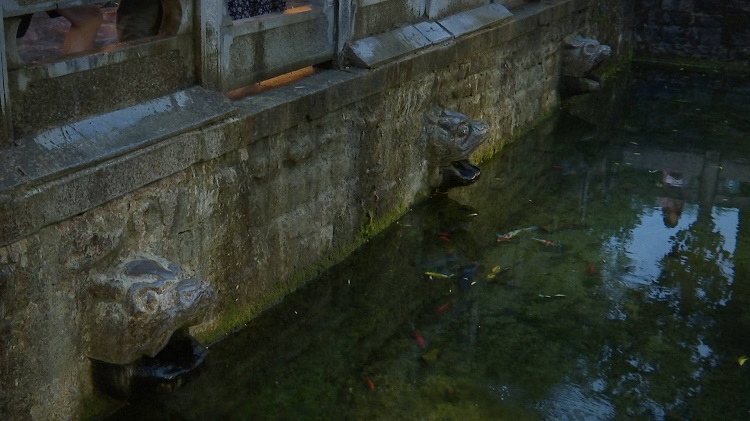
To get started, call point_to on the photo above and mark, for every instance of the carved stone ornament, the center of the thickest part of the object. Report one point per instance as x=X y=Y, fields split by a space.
x=451 y=137
x=135 y=310
x=581 y=56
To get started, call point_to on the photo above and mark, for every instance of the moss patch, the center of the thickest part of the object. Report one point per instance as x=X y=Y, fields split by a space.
x=236 y=316
x=616 y=67
x=485 y=154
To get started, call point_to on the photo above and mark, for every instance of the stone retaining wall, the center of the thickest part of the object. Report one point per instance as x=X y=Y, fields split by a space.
x=694 y=29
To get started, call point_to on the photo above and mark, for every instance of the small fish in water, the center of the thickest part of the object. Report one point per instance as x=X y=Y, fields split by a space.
x=431 y=356
x=741 y=360
x=438 y=275
x=547 y=243
x=510 y=235
x=443 y=308
x=592 y=269
x=498 y=270
x=444 y=236
x=370 y=385
x=418 y=337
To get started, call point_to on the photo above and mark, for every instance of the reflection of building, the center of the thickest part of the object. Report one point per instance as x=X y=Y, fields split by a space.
x=710 y=189
x=711 y=179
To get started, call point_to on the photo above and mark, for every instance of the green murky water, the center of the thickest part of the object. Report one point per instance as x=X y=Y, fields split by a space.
x=626 y=299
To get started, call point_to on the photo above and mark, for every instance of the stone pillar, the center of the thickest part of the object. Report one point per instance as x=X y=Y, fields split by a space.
x=5 y=123
x=345 y=29
x=209 y=19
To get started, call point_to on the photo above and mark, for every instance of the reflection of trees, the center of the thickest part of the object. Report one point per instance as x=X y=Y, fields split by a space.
x=657 y=357
x=699 y=260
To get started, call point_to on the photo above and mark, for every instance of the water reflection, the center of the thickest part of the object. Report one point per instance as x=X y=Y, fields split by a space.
x=633 y=313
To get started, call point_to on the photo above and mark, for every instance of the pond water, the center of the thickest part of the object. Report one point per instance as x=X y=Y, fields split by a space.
x=621 y=292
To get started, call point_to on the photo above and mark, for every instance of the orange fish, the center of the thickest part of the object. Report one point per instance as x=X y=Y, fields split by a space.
x=370 y=384
x=442 y=308
x=510 y=235
x=592 y=269
x=547 y=243
x=420 y=340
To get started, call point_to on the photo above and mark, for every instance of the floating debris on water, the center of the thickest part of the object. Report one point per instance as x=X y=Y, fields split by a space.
x=551 y=296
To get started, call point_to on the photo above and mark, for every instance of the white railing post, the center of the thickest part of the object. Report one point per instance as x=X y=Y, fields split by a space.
x=344 y=28
x=209 y=20
x=5 y=124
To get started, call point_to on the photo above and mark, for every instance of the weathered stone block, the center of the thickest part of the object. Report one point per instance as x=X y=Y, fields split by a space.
x=441 y=8
x=383 y=48
x=476 y=19
x=376 y=16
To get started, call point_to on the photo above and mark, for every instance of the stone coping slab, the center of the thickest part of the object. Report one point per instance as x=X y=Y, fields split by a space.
x=381 y=49
x=434 y=32
x=476 y=19
x=63 y=149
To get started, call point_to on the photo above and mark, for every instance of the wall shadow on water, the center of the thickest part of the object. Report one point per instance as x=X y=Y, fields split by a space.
x=435 y=319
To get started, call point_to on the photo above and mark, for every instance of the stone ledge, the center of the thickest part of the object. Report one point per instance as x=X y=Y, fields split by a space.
x=75 y=146
x=477 y=19
x=381 y=49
